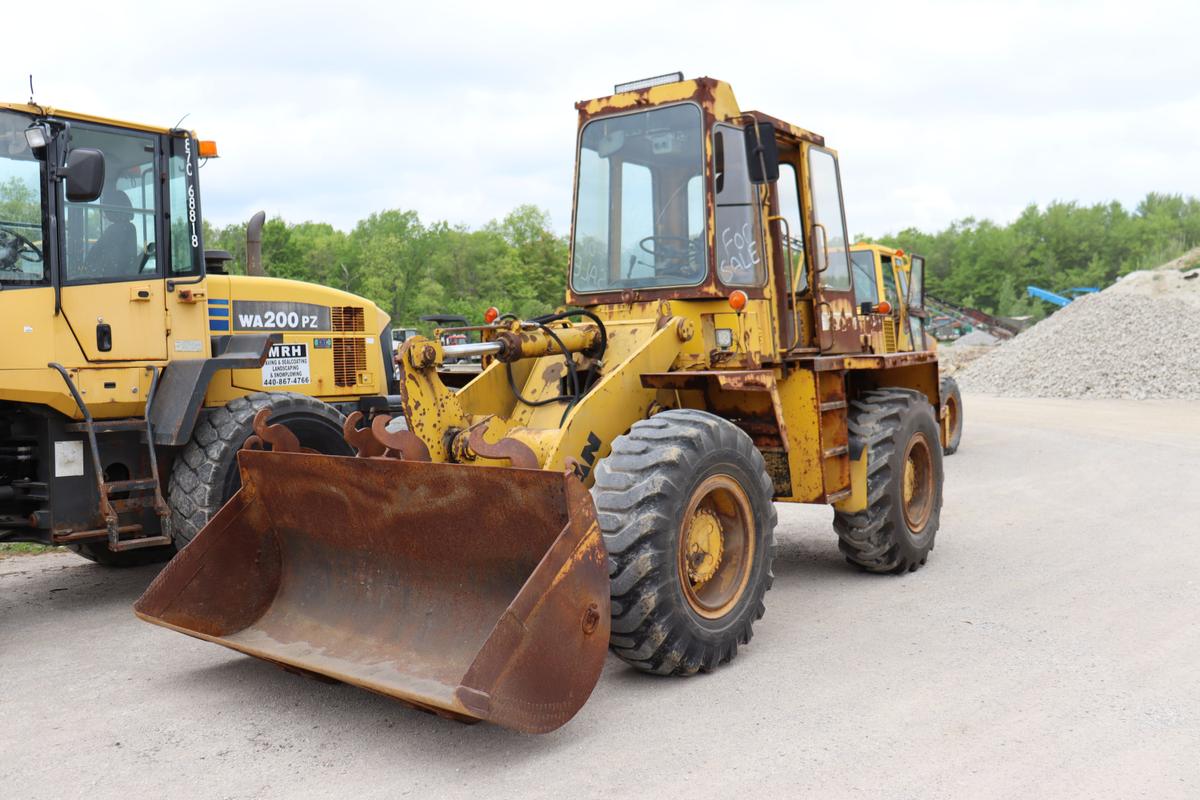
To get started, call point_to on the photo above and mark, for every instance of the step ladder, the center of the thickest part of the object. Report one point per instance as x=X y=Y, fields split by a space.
x=140 y=493
x=835 y=442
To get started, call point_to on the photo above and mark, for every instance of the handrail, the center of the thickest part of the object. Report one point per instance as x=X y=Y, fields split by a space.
x=824 y=244
x=787 y=238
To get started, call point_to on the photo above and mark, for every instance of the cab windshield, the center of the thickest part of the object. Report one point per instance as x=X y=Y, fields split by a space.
x=22 y=207
x=639 y=212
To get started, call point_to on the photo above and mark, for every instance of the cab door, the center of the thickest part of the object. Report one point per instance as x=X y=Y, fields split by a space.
x=915 y=297
x=836 y=318
x=112 y=286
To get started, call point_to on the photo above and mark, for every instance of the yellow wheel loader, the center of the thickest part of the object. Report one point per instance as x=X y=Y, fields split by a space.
x=608 y=479
x=132 y=367
x=889 y=290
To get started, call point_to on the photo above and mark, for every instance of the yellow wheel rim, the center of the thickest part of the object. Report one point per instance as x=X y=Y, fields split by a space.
x=716 y=546
x=917 y=483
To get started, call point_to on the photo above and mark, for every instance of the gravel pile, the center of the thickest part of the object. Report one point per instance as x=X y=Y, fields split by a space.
x=954 y=358
x=1138 y=339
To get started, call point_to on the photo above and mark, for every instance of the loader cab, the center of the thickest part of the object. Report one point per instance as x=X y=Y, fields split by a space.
x=889 y=294
x=113 y=256
x=679 y=195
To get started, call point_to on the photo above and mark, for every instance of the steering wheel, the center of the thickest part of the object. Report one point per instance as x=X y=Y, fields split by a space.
x=13 y=246
x=669 y=249
x=666 y=246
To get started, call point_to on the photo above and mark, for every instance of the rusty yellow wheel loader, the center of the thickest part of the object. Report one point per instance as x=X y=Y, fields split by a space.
x=608 y=479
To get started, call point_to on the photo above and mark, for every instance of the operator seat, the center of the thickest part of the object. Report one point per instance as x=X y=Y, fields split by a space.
x=115 y=253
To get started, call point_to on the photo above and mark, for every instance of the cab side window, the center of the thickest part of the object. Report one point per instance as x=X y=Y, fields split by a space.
x=832 y=251
x=184 y=231
x=788 y=187
x=739 y=261
x=113 y=237
x=865 y=290
x=889 y=283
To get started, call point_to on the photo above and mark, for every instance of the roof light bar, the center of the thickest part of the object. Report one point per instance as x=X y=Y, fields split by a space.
x=646 y=83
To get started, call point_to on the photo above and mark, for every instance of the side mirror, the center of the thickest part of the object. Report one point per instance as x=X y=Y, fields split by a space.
x=84 y=173
x=762 y=154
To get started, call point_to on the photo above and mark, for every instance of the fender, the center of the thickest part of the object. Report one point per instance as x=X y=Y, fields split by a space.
x=176 y=404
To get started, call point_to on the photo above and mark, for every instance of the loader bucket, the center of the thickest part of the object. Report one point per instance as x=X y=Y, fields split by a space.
x=477 y=593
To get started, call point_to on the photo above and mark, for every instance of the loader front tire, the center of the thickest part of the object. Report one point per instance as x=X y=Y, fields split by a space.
x=895 y=532
x=952 y=404
x=684 y=502
x=205 y=473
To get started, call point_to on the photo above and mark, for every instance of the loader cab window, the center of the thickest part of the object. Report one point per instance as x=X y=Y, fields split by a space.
x=830 y=241
x=184 y=206
x=639 y=211
x=789 y=208
x=113 y=238
x=889 y=282
x=739 y=257
x=22 y=207
x=866 y=289
x=915 y=291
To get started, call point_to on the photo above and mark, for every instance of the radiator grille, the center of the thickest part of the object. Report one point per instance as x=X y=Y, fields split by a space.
x=348 y=319
x=349 y=358
x=889 y=335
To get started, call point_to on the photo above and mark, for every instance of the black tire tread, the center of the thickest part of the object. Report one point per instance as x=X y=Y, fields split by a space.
x=196 y=488
x=869 y=538
x=949 y=387
x=633 y=493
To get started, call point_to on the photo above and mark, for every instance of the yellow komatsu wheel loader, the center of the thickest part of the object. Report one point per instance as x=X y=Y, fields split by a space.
x=889 y=290
x=132 y=367
x=608 y=479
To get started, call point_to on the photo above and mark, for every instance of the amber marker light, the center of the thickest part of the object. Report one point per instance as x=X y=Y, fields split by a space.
x=737 y=300
x=883 y=308
x=490 y=315
x=208 y=149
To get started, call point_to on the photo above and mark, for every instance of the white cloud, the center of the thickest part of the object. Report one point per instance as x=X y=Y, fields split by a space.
x=462 y=111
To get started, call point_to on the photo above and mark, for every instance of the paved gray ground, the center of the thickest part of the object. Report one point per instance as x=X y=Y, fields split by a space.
x=1049 y=649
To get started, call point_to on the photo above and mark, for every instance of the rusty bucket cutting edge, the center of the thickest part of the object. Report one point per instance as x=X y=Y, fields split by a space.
x=479 y=593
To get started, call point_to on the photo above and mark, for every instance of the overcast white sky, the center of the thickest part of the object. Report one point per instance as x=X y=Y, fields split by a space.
x=329 y=111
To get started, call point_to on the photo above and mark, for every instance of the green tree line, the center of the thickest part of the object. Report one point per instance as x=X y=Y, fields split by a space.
x=980 y=264
x=518 y=263
x=410 y=268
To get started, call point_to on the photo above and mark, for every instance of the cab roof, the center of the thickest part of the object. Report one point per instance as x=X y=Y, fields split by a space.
x=61 y=113
x=715 y=98
x=878 y=248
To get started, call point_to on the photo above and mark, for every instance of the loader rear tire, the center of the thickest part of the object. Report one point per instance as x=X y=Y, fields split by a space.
x=205 y=473
x=685 y=505
x=895 y=532
x=952 y=403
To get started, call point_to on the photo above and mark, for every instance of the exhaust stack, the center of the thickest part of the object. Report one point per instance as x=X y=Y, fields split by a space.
x=254 y=265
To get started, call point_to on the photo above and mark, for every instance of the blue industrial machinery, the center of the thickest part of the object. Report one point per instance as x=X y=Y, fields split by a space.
x=1060 y=299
